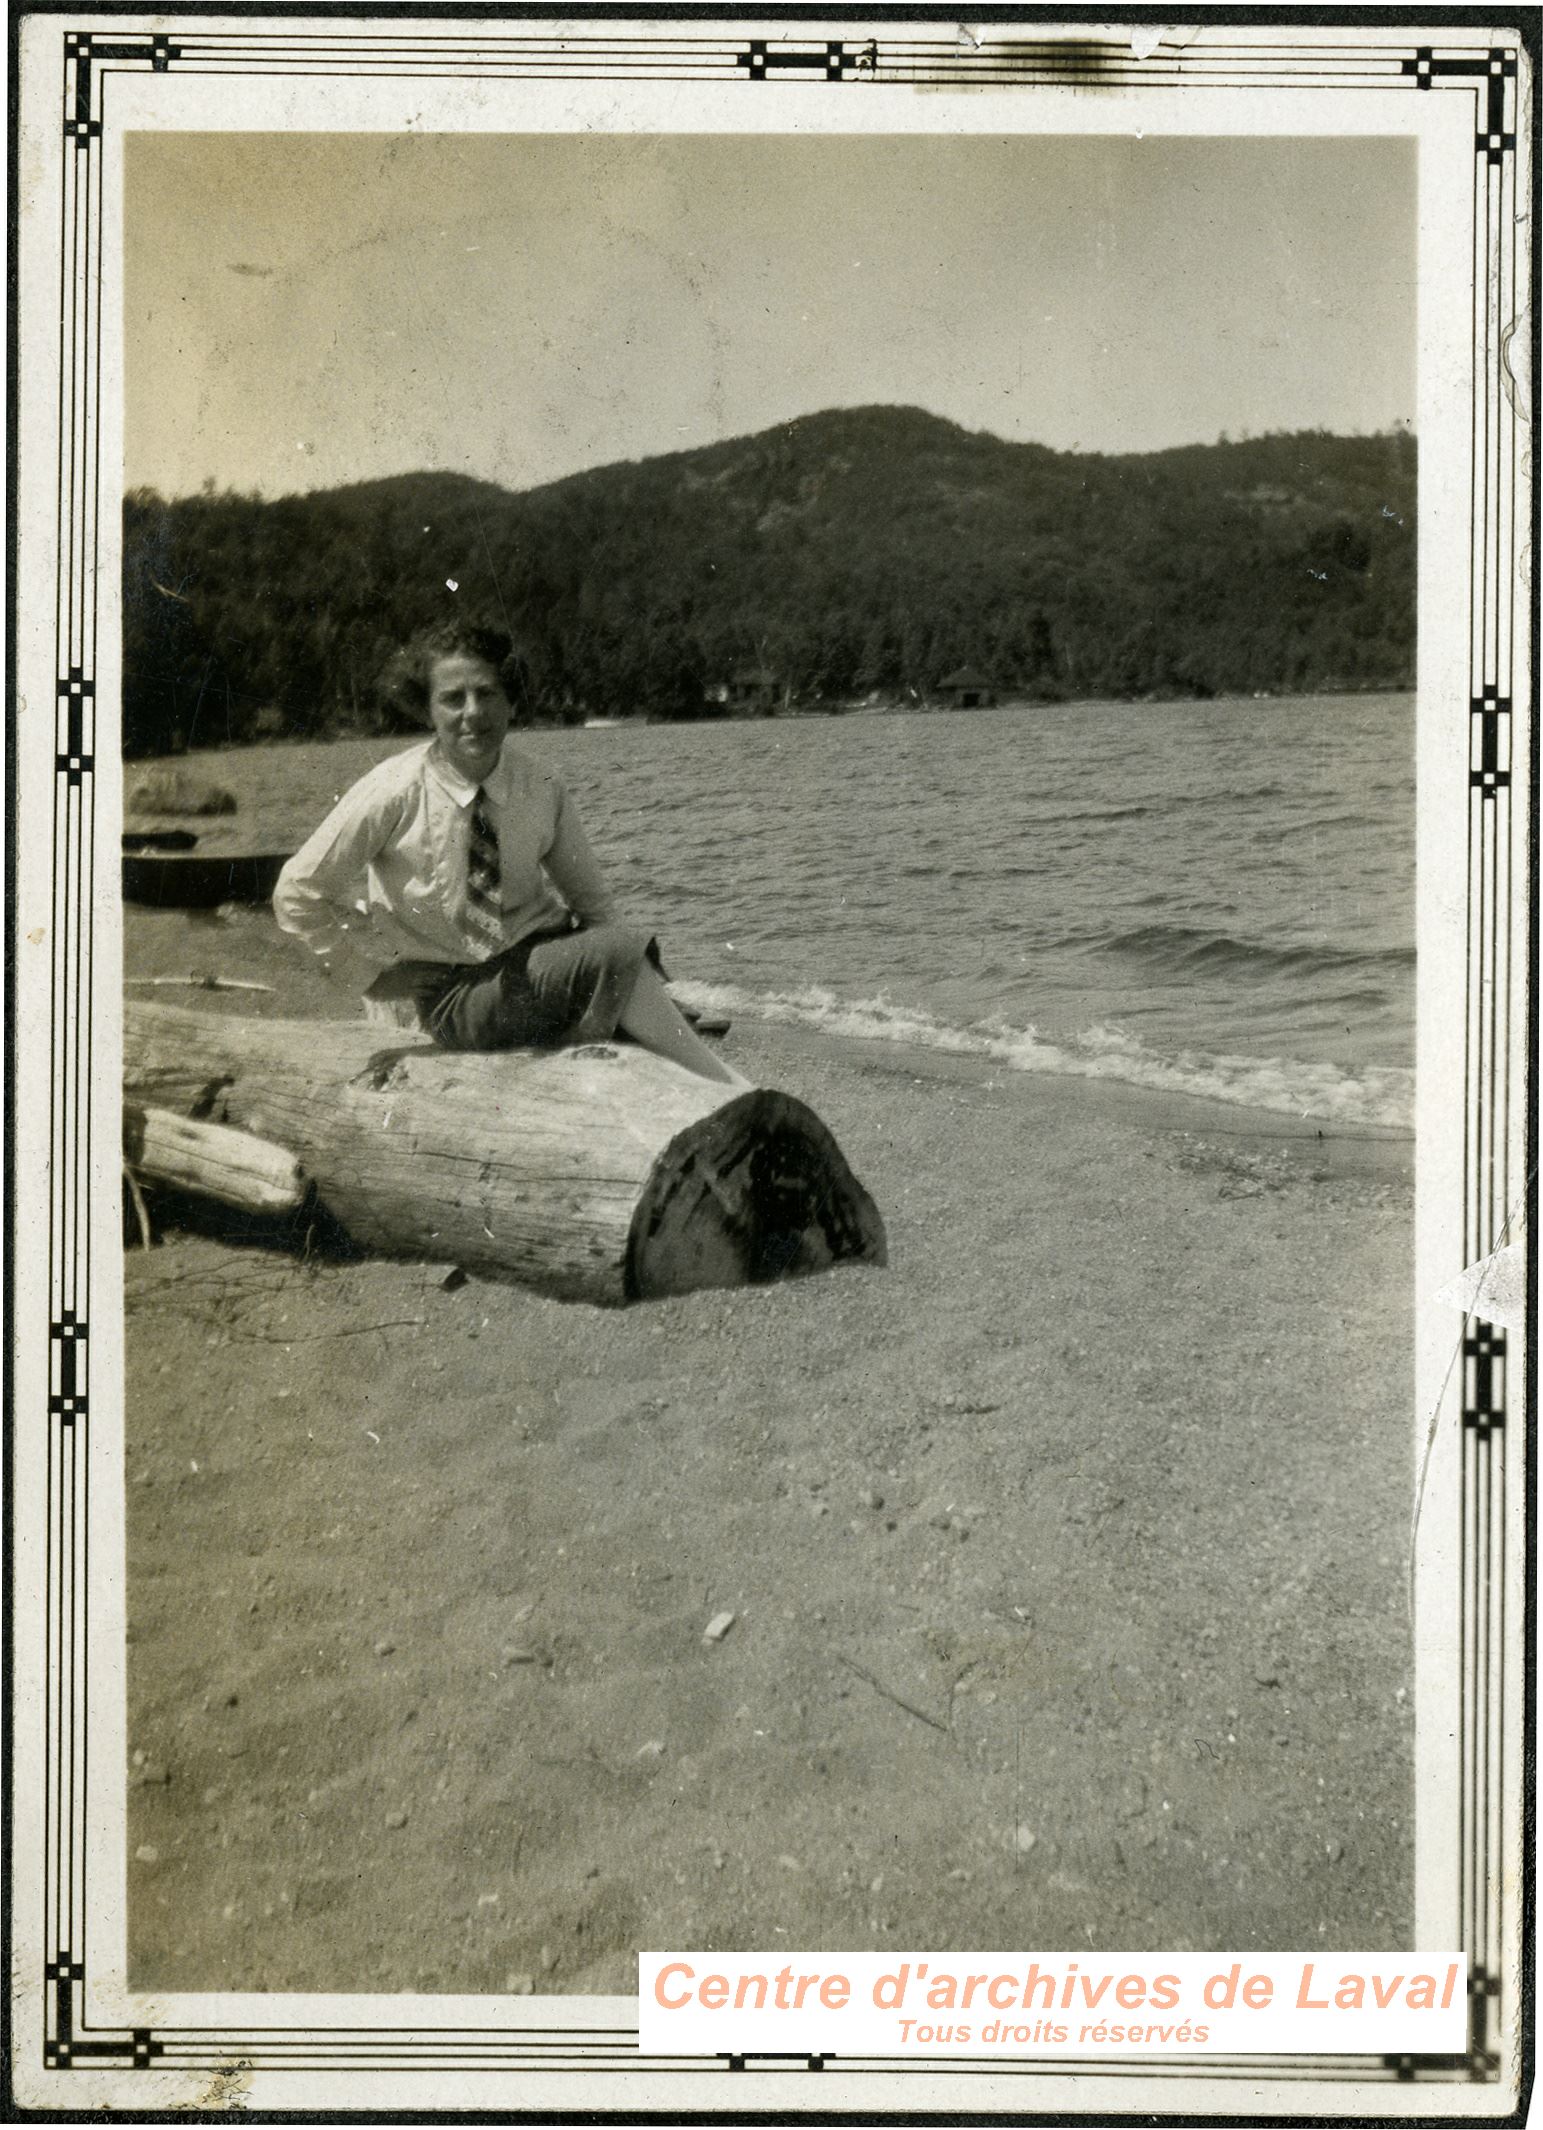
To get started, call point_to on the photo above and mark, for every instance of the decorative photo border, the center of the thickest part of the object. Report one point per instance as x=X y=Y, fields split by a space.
x=1483 y=1553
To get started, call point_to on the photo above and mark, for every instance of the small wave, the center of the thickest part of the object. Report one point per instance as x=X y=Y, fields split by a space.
x=1105 y=813
x=1178 y=946
x=1360 y=823
x=1168 y=803
x=999 y=872
x=1375 y=1095
x=1221 y=796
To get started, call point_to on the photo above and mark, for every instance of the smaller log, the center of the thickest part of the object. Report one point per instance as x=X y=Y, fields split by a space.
x=212 y=1161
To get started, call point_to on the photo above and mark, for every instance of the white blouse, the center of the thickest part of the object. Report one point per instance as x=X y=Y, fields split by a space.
x=384 y=877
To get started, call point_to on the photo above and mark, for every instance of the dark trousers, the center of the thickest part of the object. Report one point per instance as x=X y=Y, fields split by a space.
x=563 y=986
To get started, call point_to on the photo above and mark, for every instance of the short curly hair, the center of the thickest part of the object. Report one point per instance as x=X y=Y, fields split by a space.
x=406 y=679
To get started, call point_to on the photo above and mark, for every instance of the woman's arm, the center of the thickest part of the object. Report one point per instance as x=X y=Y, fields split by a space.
x=572 y=866
x=320 y=895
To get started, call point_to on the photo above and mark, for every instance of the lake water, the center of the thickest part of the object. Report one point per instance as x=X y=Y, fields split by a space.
x=1212 y=897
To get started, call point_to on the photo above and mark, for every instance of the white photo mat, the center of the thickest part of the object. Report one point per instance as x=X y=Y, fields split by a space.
x=81 y=2039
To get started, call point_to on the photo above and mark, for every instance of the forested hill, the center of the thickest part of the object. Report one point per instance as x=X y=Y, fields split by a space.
x=849 y=553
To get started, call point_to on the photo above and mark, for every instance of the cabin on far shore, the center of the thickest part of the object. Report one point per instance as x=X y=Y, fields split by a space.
x=752 y=688
x=967 y=690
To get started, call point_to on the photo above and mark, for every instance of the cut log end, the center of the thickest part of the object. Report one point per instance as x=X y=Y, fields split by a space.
x=754 y=1192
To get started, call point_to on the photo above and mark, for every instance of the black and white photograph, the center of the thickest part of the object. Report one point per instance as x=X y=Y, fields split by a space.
x=822 y=1182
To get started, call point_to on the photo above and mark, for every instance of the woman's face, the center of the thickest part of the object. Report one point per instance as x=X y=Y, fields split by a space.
x=470 y=714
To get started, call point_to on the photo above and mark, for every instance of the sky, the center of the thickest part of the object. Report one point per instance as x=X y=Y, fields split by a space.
x=307 y=310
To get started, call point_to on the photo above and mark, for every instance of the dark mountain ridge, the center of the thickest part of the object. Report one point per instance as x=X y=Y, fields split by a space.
x=857 y=552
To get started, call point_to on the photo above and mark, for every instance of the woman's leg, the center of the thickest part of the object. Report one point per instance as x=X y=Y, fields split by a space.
x=576 y=987
x=652 y=1018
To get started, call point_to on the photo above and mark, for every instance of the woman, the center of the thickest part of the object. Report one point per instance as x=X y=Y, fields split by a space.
x=454 y=882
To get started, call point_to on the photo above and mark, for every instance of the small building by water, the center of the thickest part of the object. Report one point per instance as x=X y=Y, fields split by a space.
x=752 y=688
x=967 y=690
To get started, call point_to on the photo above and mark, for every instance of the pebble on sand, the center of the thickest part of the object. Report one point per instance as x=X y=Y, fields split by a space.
x=718 y=1626
x=520 y=1985
x=146 y=1854
x=385 y=1647
x=396 y=1821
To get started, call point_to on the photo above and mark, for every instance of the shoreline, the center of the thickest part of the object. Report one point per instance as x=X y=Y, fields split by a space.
x=596 y=722
x=1157 y=1108
x=169 y=944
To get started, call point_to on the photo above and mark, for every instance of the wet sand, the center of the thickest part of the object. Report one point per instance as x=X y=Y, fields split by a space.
x=1067 y=1558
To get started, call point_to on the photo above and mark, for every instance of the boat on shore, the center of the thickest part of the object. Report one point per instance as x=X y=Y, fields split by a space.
x=165 y=868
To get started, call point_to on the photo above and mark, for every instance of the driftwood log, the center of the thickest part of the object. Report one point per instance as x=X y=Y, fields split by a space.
x=601 y=1172
x=211 y=1161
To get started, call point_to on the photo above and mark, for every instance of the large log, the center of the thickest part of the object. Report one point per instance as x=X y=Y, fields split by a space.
x=602 y=1172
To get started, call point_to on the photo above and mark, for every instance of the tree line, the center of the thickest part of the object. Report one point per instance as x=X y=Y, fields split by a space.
x=863 y=552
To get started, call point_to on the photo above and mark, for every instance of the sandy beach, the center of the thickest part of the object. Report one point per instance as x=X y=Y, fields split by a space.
x=1067 y=1558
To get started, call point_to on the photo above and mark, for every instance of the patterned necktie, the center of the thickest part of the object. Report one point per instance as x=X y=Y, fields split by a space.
x=484 y=910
